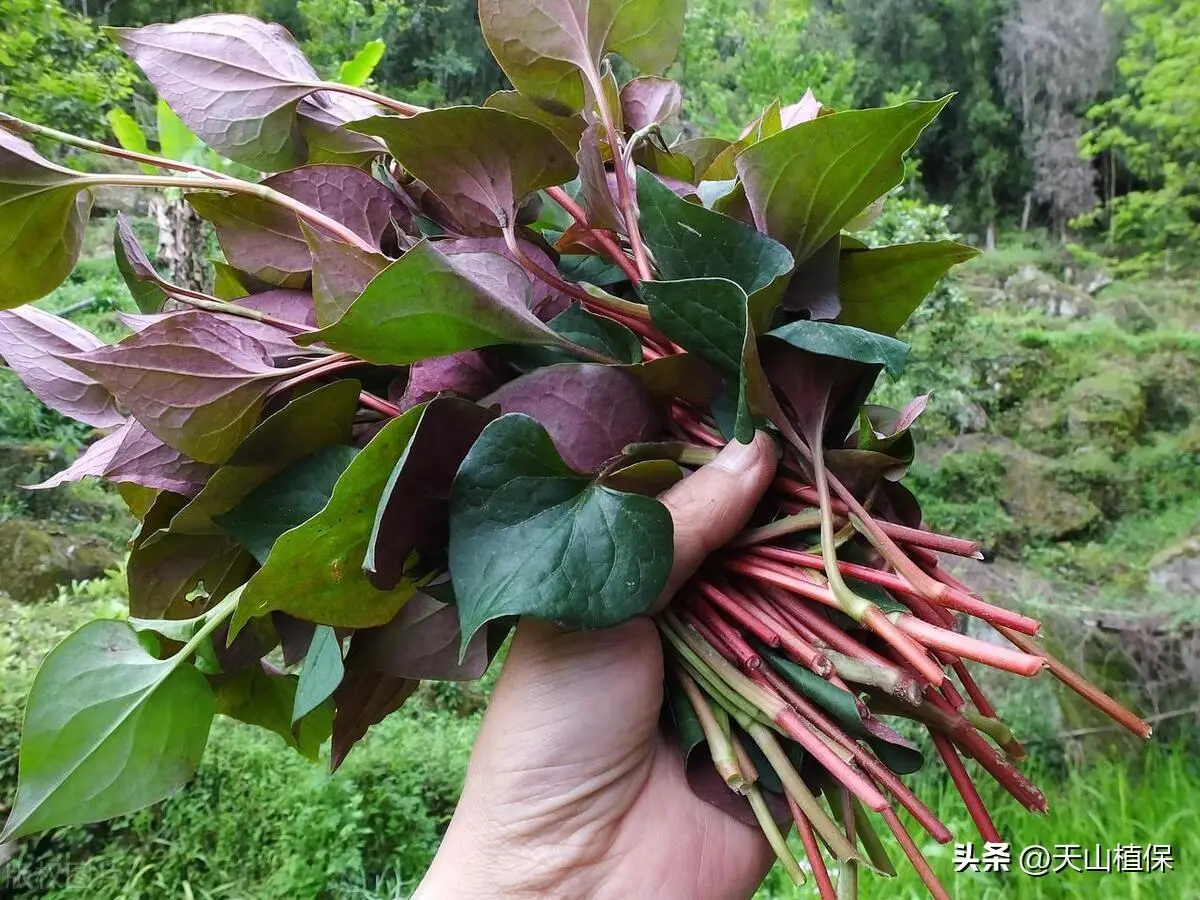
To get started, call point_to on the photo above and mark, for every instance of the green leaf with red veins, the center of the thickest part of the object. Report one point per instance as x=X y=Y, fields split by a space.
x=881 y=288
x=30 y=342
x=649 y=100
x=807 y=182
x=413 y=516
x=109 y=730
x=43 y=211
x=243 y=86
x=551 y=50
x=195 y=382
x=136 y=269
x=590 y=411
x=267 y=241
x=132 y=455
x=482 y=163
x=319 y=418
x=429 y=304
x=314 y=571
x=529 y=536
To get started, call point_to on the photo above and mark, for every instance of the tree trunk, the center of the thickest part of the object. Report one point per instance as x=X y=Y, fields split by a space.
x=1025 y=213
x=990 y=239
x=180 y=243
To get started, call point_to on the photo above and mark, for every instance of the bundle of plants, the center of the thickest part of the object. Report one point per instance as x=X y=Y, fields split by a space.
x=450 y=359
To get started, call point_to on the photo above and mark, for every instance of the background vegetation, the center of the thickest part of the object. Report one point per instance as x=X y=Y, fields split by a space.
x=1064 y=431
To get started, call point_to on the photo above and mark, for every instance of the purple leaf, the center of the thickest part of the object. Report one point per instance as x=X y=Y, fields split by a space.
x=649 y=100
x=133 y=455
x=482 y=163
x=471 y=374
x=136 y=269
x=30 y=341
x=276 y=341
x=236 y=82
x=543 y=300
x=421 y=642
x=566 y=128
x=594 y=181
x=43 y=211
x=362 y=700
x=267 y=241
x=590 y=411
x=340 y=273
x=413 y=514
x=291 y=306
x=194 y=381
x=322 y=117
x=551 y=49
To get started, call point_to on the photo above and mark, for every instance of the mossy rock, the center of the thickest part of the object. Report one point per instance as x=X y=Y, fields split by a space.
x=1036 y=502
x=38 y=557
x=1032 y=289
x=1172 y=380
x=1106 y=410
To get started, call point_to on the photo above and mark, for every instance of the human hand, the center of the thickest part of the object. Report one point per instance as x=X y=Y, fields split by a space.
x=572 y=790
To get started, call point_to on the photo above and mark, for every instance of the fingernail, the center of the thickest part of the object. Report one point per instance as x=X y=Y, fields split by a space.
x=738 y=458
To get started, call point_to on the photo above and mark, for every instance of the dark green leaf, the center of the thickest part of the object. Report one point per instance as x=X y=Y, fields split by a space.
x=689 y=241
x=881 y=288
x=529 y=536
x=322 y=672
x=427 y=304
x=109 y=729
x=807 y=182
x=845 y=342
x=314 y=571
x=286 y=500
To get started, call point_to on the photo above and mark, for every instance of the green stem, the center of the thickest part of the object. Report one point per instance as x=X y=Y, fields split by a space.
x=774 y=836
x=20 y=126
x=212 y=304
x=212 y=621
x=234 y=186
x=720 y=748
x=804 y=521
x=405 y=109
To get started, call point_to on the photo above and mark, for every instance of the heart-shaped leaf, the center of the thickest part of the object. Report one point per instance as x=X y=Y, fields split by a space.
x=136 y=269
x=649 y=100
x=314 y=570
x=481 y=162
x=528 y=536
x=320 y=418
x=590 y=411
x=132 y=455
x=31 y=341
x=235 y=81
x=551 y=49
x=845 y=342
x=413 y=516
x=195 y=382
x=689 y=241
x=109 y=729
x=428 y=304
x=322 y=672
x=43 y=211
x=881 y=288
x=267 y=241
x=807 y=182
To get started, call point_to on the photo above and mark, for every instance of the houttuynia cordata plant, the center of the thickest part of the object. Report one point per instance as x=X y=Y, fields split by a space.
x=451 y=358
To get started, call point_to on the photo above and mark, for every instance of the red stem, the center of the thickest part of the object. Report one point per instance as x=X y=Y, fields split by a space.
x=972 y=648
x=974 y=691
x=919 y=862
x=370 y=401
x=812 y=850
x=702 y=612
x=575 y=211
x=966 y=787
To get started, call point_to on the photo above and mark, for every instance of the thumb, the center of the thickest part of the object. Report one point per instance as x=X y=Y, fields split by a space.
x=712 y=505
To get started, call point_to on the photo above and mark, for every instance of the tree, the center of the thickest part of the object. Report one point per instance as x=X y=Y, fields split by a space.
x=1151 y=129
x=55 y=66
x=1056 y=56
